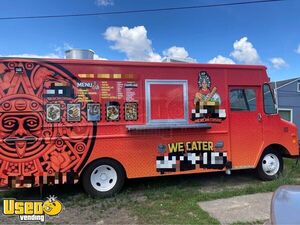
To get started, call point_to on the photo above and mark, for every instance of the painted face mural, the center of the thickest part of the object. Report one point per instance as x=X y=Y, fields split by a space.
x=37 y=137
x=21 y=134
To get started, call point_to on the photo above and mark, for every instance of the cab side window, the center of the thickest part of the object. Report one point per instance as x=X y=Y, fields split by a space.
x=269 y=101
x=242 y=99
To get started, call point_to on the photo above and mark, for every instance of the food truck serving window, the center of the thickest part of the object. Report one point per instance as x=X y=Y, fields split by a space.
x=166 y=101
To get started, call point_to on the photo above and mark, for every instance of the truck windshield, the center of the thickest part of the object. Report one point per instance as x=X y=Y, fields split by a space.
x=269 y=102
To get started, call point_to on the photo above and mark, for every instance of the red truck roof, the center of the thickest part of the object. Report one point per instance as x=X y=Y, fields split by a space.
x=147 y=64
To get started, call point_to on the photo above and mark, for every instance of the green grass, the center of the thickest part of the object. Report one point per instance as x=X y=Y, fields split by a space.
x=259 y=222
x=173 y=199
x=169 y=203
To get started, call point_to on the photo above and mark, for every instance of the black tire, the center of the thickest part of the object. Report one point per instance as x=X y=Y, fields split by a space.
x=93 y=188
x=269 y=174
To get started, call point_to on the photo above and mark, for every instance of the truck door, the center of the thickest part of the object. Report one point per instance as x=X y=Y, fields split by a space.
x=245 y=125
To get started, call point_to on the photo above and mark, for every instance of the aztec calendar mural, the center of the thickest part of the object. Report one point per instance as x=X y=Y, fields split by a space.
x=37 y=136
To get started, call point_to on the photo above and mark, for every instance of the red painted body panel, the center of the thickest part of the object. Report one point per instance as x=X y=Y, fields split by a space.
x=44 y=134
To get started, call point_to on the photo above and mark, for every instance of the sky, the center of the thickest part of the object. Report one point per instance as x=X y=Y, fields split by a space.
x=265 y=33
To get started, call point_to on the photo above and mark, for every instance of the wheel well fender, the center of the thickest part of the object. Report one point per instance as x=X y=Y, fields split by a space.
x=279 y=148
x=106 y=158
x=276 y=147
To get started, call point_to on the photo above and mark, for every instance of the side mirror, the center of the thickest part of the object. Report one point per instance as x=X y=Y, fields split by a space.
x=285 y=205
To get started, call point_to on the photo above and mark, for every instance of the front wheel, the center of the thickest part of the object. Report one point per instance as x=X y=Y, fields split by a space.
x=103 y=178
x=270 y=165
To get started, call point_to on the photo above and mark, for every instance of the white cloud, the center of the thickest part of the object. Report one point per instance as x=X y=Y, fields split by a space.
x=50 y=55
x=298 y=49
x=26 y=55
x=221 y=60
x=154 y=57
x=58 y=52
x=244 y=52
x=133 y=42
x=104 y=2
x=97 y=57
x=178 y=53
x=278 y=62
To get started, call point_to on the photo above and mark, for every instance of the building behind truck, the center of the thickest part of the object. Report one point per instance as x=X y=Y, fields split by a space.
x=287 y=94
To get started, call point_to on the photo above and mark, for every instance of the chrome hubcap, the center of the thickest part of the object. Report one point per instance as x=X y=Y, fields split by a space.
x=270 y=164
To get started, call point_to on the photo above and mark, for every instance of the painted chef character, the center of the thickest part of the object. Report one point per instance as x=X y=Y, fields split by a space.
x=205 y=94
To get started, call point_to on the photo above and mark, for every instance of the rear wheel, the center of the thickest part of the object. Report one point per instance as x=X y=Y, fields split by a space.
x=270 y=165
x=103 y=178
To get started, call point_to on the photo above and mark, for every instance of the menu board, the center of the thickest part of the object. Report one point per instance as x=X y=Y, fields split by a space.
x=119 y=98
x=107 y=90
x=119 y=90
x=83 y=95
x=88 y=91
x=130 y=94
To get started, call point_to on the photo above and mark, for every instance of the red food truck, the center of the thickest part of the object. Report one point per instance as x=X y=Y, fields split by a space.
x=103 y=121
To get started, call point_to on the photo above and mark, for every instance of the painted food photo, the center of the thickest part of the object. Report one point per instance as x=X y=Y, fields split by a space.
x=53 y=113
x=73 y=111
x=93 y=112
x=131 y=111
x=112 y=111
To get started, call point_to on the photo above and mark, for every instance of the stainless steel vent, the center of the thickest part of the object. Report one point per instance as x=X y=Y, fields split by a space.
x=79 y=54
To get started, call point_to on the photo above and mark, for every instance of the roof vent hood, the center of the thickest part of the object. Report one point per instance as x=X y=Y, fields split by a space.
x=79 y=54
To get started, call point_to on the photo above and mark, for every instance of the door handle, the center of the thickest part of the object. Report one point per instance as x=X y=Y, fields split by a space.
x=259 y=117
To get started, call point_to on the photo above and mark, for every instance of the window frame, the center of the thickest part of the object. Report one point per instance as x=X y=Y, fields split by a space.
x=149 y=120
x=287 y=109
x=273 y=98
x=245 y=98
x=298 y=85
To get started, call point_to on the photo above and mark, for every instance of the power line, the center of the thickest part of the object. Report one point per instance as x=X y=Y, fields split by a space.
x=139 y=10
